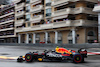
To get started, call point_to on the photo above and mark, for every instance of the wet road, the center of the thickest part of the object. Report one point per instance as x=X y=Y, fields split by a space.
x=13 y=51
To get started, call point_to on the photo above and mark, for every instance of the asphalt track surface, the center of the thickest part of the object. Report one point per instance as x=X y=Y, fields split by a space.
x=15 y=51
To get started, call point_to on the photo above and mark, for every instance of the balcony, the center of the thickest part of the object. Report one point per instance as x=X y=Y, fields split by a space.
x=58 y=24
x=94 y=1
x=36 y=19
x=6 y=22
x=6 y=29
x=35 y=1
x=19 y=22
x=57 y=3
x=20 y=13
x=62 y=12
x=97 y=8
x=7 y=36
x=84 y=10
x=6 y=14
x=85 y=23
x=19 y=5
x=36 y=8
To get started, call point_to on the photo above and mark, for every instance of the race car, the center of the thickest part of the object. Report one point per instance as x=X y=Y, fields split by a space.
x=59 y=54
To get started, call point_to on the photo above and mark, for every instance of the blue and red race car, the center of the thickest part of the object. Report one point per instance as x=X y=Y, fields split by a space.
x=59 y=54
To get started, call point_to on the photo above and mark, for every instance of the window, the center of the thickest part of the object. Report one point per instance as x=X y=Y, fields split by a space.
x=29 y=24
x=48 y=12
x=28 y=17
x=59 y=34
x=48 y=2
x=37 y=36
x=90 y=41
x=70 y=34
x=60 y=37
x=27 y=8
x=27 y=1
x=90 y=5
x=70 y=41
x=30 y=38
x=91 y=33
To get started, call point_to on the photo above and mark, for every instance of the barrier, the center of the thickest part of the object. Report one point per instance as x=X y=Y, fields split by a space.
x=87 y=45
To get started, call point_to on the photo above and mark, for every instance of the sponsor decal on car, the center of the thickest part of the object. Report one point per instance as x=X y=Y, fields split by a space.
x=53 y=55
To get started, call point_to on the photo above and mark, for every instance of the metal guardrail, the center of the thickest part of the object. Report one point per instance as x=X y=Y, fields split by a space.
x=85 y=45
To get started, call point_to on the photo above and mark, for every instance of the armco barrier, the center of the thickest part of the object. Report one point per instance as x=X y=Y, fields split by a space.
x=88 y=45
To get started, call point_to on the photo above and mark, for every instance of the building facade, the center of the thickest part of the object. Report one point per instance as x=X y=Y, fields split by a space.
x=56 y=21
x=7 y=21
x=97 y=9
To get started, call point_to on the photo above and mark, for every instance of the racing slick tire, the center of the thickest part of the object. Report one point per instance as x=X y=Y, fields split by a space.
x=29 y=57
x=83 y=52
x=77 y=58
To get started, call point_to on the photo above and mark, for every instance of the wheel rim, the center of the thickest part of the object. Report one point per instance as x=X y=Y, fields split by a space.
x=77 y=58
x=28 y=57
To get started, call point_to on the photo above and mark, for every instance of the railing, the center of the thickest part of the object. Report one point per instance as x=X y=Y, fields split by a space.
x=84 y=23
x=18 y=21
x=8 y=36
x=19 y=5
x=62 y=12
x=37 y=7
x=62 y=0
x=57 y=2
x=20 y=13
x=82 y=8
x=59 y=24
x=6 y=14
x=36 y=26
x=7 y=7
x=38 y=16
x=73 y=11
x=6 y=29
x=32 y=1
x=6 y=22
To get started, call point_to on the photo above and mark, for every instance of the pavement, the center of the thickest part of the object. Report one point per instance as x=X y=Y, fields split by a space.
x=15 y=51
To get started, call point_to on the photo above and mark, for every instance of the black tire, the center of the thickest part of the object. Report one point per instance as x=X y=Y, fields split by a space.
x=29 y=57
x=83 y=52
x=77 y=58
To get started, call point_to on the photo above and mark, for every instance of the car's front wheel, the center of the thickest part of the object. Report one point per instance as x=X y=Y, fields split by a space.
x=29 y=57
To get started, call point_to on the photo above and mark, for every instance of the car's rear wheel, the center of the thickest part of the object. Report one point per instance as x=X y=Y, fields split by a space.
x=77 y=58
x=29 y=57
